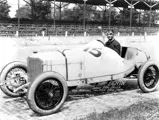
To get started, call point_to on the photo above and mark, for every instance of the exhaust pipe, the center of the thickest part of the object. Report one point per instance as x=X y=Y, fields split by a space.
x=86 y=86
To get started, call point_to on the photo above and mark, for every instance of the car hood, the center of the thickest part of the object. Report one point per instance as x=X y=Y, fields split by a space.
x=55 y=57
x=75 y=55
x=59 y=57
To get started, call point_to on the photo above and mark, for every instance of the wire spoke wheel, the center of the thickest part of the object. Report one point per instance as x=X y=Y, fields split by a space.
x=151 y=77
x=148 y=76
x=49 y=94
x=13 y=75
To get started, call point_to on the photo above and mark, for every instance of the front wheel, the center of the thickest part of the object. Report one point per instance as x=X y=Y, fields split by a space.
x=148 y=76
x=13 y=75
x=47 y=93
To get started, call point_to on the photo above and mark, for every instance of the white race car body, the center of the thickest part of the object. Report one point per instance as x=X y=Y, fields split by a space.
x=89 y=64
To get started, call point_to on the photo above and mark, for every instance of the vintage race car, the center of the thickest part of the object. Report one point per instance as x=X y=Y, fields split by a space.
x=47 y=76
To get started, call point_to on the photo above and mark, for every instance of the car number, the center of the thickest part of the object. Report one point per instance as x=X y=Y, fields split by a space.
x=95 y=52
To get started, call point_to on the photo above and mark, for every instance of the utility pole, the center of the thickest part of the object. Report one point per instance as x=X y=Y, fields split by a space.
x=131 y=6
x=84 y=15
x=110 y=4
x=54 y=15
x=18 y=19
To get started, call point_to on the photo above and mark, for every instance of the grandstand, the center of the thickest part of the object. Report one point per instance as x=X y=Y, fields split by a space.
x=70 y=29
x=61 y=28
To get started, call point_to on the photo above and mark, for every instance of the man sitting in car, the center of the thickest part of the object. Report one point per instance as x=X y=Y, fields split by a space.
x=112 y=43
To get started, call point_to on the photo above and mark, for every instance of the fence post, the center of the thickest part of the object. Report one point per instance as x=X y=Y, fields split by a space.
x=43 y=33
x=66 y=33
x=85 y=33
x=118 y=33
x=145 y=34
x=17 y=33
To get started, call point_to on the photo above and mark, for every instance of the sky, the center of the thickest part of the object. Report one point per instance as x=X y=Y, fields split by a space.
x=14 y=6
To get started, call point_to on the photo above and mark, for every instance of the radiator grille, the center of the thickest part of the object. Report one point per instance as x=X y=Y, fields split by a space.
x=35 y=68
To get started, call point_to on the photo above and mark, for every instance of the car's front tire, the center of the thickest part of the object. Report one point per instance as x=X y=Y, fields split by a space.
x=12 y=76
x=47 y=93
x=148 y=76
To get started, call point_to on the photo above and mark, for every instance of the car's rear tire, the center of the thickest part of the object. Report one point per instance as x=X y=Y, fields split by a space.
x=47 y=93
x=8 y=70
x=148 y=76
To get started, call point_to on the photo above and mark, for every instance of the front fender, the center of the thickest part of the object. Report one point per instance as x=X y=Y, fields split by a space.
x=141 y=58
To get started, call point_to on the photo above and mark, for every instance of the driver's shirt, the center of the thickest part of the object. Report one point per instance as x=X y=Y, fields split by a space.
x=115 y=45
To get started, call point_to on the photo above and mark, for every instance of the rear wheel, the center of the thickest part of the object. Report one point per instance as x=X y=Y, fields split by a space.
x=47 y=93
x=148 y=76
x=12 y=76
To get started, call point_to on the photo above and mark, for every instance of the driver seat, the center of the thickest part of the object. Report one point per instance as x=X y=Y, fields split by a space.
x=128 y=53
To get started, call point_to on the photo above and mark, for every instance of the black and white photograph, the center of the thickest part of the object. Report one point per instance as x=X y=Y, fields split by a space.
x=79 y=60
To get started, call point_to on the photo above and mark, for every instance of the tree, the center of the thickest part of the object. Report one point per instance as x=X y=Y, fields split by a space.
x=39 y=10
x=114 y=15
x=125 y=16
x=42 y=10
x=4 y=10
x=146 y=17
x=155 y=17
x=77 y=13
x=24 y=12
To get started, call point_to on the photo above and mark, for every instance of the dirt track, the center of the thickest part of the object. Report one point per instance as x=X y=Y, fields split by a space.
x=78 y=104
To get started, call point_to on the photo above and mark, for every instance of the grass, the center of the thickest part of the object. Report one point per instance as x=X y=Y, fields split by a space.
x=145 y=110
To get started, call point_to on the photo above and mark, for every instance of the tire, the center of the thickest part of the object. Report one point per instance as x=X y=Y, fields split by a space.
x=47 y=84
x=5 y=71
x=148 y=76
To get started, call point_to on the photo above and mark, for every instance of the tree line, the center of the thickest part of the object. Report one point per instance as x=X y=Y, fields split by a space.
x=39 y=10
